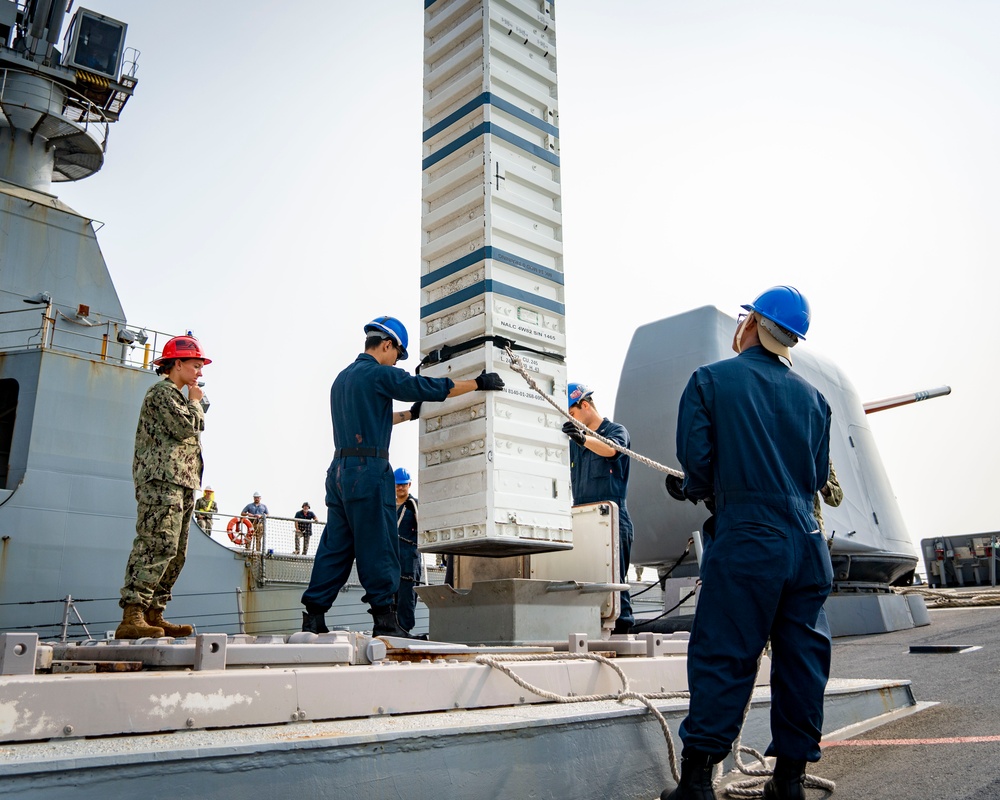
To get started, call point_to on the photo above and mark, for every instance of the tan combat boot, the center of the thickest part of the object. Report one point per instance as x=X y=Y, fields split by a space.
x=134 y=625
x=154 y=616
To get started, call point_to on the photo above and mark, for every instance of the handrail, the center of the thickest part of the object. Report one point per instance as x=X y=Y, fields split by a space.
x=74 y=107
x=109 y=340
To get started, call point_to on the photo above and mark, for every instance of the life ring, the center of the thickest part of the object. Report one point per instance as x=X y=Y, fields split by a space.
x=236 y=535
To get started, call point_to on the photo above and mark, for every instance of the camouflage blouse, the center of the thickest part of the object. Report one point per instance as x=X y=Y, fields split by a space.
x=168 y=438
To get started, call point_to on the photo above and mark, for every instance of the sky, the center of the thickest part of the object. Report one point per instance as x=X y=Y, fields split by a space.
x=263 y=190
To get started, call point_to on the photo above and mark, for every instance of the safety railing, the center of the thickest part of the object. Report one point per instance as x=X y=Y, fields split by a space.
x=50 y=328
x=268 y=535
x=95 y=618
x=26 y=92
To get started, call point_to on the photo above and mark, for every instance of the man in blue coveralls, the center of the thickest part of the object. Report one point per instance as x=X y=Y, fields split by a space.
x=409 y=556
x=360 y=490
x=755 y=436
x=599 y=473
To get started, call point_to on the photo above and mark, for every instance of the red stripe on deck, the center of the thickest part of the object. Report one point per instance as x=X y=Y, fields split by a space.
x=898 y=742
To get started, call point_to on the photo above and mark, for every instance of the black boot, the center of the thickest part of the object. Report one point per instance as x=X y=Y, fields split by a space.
x=314 y=623
x=621 y=628
x=386 y=623
x=696 y=779
x=787 y=783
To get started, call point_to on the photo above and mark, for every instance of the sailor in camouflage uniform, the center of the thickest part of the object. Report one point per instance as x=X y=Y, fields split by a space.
x=833 y=495
x=167 y=470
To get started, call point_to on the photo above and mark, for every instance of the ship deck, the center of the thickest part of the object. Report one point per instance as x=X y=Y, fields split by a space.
x=900 y=724
x=949 y=750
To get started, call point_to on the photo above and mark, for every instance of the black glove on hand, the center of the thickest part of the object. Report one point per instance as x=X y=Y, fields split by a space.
x=415 y=410
x=710 y=504
x=675 y=487
x=489 y=382
x=574 y=433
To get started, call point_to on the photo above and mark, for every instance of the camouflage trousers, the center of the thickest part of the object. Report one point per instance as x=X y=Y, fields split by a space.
x=160 y=547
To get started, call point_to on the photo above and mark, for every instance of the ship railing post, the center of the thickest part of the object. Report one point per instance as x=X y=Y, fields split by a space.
x=262 y=551
x=239 y=610
x=993 y=562
x=48 y=326
x=67 y=605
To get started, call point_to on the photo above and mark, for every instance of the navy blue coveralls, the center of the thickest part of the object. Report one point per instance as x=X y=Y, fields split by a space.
x=360 y=488
x=409 y=563
x=757 y=436
x=594 y=478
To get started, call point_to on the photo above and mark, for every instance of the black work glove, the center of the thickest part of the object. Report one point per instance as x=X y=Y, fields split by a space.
x=415 y=410
x=675 y=488
x=574 y=433
x=710 y=504
x=489 y=382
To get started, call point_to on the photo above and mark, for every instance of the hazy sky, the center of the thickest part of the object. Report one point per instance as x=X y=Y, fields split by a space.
x=263 y=190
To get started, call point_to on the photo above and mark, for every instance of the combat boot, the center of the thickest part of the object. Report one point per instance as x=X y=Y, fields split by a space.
x=154 y=616
x=134 y=625
x=696 y=779
x=788 y=781
x=386 y=623
x=314 y=623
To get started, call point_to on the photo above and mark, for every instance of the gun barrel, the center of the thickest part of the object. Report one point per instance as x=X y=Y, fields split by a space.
x=905 y=399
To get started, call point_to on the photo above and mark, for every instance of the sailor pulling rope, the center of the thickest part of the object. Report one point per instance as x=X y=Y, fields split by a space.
x=515 y=364
x=751 y=788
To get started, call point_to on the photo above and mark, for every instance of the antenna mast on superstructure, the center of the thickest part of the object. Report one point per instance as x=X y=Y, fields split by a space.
x=56 y=106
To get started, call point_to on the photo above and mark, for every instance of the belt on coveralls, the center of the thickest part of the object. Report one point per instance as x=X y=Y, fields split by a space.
x=361 y=452
x=781 y=501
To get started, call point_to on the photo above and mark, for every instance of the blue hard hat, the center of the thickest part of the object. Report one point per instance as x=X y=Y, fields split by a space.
x=576 y=392
x=784 y=305
x=402 y=476
x=394 y=329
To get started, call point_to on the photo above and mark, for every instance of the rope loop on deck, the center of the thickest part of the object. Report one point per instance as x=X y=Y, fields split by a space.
x=751 y=788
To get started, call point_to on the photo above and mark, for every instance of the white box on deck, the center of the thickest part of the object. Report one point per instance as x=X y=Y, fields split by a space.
x=494 y=479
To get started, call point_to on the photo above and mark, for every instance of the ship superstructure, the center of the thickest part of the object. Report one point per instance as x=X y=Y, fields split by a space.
x=73 y=369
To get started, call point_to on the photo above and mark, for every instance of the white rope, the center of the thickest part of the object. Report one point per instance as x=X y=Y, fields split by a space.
x=748 y=788
x=754 y=786
x=496 y=662
x=940 y=598
x=515 y=364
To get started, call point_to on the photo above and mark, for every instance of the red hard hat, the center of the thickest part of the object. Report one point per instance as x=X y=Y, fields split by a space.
x=182 y=347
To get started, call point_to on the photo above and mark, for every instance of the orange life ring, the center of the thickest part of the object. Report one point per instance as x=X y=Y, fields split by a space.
x=236 y=535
